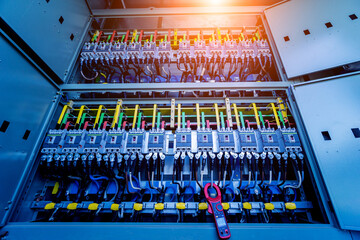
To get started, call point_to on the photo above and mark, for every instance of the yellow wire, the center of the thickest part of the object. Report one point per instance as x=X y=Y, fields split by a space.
x=103 y=75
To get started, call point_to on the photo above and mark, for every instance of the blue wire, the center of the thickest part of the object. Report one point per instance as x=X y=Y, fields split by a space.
x=255 y=182
x=232 y=192
x=119 y=177
x=192 y=193
x=294 y=191
x=98 y=178
x=174 y=193
x=136 y=180
x=136 y=197
x=77 y=184
x=151 y=194
x=271 y=193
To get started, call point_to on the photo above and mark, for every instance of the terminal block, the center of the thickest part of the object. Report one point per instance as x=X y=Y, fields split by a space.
x=118 y=50
x=228 y=141
x=291 y=139
x=155 y=140
x=271 y=140
x=103 y=51
x=249 y=140
x=205 y=140
x=114 y=140
x=183 y=140
x=95 y=141
x=74 y=141
x=89 y=51
x=133 y=141
x=53 y=140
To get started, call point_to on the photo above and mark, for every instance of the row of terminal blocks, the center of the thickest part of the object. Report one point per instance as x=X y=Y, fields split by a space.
x=184 y=139
x=230 y=49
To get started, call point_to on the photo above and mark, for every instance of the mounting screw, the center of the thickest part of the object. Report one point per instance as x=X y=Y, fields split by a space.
x=6 y=208
x=9 y=202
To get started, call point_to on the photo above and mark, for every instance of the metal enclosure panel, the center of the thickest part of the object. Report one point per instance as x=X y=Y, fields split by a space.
x=324 y=47
x=25 y=100
x=330 y=110
x=169 y=231
x=38 y=23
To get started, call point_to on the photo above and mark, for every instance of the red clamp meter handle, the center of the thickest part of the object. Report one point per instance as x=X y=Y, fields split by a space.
x=216 y=208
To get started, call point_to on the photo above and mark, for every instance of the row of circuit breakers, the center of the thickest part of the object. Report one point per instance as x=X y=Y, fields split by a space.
x=191 y=58
x=158 y=140
x=105 y=51
x=121 y=172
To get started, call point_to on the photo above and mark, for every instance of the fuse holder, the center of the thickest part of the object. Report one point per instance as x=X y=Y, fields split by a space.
x=56 y=188
x=138 y=206
x=49 y=206
x=290 y=206
x=93 y=206
x=159 y=206
x=269 y=206
x=203 y=206
x=114 y=207
x=180 y=206
x=72 y=206
x=247 y=205
x=225 y=205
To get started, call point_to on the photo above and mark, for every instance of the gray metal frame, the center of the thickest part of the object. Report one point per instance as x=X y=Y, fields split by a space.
x=92 y=231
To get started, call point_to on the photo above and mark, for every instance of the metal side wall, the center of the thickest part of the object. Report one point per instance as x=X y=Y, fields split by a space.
x=52 y=29
x=316 y=35
x=26 y=99
x=329 y=109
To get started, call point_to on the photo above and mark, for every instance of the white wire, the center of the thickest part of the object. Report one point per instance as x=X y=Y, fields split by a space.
x=225 y=172
x=212 y=178
x=279 y=177
x=201 y=178
x=139 y=177
x=152 y=180
x=270 y=177
x=164 y=70
x=299 y=184
x=181 y=179
x=117 y=189
x=162 y=179
x=131 y=183
x=149 y=69
x=82 y=74
x=249 y=179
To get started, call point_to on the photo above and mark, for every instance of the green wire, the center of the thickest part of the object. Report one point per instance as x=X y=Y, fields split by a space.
x=94 y=37
x=203 y=119
x=139 y=119
x=101 y=119
x=242 y=119
x=65 y=118
x=281 y=118
x=82 y=119
x=158 y=120
x=151 y=38
x=122 y=39
x=222 y=120
x=108 y=39
x=165 y=37
x=261 y=118
x=120 y=118
x=183 y=119
x=136 y=38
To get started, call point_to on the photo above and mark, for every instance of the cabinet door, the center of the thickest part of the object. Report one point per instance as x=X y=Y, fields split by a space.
x=316 y=35
x=330 y=111
x=26 y=100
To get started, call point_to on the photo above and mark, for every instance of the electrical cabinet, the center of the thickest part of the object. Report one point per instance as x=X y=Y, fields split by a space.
x=179 y=121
